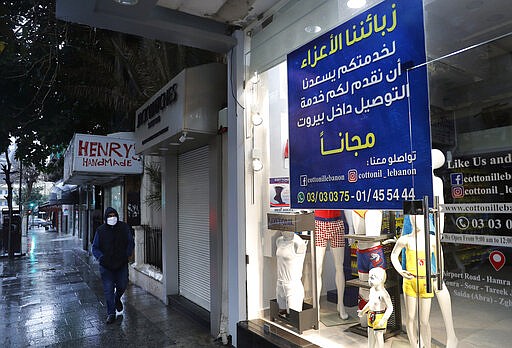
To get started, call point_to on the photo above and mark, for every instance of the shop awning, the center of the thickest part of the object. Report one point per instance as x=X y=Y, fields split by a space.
x=97 y=159
x=61 y=194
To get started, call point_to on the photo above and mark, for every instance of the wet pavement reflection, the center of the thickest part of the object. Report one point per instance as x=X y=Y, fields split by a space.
x=52 y=297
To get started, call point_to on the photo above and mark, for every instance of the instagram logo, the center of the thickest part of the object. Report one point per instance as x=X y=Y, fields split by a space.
x=458 y=191
x=352 y=175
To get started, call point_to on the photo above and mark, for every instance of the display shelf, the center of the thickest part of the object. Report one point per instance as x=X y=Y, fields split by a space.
x=364 y=238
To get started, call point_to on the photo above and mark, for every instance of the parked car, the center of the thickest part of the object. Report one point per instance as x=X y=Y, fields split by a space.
x=40 y=222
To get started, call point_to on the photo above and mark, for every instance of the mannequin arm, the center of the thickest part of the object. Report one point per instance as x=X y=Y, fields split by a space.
x=361 y=312
x=400 y=244
x=389 y=307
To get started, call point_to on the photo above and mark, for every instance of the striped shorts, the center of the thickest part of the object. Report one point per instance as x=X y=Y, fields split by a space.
x=330 y=230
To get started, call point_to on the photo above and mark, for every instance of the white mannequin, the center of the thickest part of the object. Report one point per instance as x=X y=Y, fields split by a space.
x=414 y=244
x=369 y=225
x=338 y=254
x=380 y=307
x=443 y=295
x=290 y=254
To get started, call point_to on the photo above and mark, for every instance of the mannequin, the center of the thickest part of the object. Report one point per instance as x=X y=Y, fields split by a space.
x=379 y=308
x=414 y=285
x=369 y=254
x=290 y=253
x=329 y=227
x=443 y=295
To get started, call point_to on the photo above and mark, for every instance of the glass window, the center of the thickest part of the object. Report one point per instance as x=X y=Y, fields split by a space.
x=469 y=46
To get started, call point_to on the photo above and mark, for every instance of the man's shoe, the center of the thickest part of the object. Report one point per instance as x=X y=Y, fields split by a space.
x=111 y=318
x=119 y=305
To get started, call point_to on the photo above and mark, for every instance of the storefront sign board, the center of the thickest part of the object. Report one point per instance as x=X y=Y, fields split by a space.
x=101 y=155
x=359 y=113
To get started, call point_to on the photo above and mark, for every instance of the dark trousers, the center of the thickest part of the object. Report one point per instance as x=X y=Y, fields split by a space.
x=114 y=285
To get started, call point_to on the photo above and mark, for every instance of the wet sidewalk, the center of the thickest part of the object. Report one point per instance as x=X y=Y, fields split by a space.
x=52 y=297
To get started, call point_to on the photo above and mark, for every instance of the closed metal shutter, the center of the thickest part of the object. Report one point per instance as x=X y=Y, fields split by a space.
x=193 y=226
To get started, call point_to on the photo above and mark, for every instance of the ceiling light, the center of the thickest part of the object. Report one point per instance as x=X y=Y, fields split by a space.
x=127 y=2
x=356 y=3
x=256 y=119
x=257 y=165
x=312 y=29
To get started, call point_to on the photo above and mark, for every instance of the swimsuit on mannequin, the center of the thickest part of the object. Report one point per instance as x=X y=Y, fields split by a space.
x=291 y=251
x=329 y=227
x=414 y=285
x=379 y=308
x=443 y=295
x=369 y=254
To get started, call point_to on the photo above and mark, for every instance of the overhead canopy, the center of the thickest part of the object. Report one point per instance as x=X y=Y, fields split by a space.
x=195 y=23
x=60 y=194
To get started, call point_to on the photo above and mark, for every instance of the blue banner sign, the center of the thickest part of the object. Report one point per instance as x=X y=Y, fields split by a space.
x=359 y=113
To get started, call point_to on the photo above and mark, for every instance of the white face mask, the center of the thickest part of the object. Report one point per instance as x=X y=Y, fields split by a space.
x=112 y=221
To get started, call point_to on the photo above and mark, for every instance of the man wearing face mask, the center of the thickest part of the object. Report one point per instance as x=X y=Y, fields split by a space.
x=112 y=246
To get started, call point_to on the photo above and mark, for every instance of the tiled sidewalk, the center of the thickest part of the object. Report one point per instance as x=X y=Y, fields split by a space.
x=52 y=297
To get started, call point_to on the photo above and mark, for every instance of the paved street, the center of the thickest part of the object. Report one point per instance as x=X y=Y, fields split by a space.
x=52 y=297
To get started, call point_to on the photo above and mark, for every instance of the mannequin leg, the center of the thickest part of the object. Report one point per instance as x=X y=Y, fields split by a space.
x=295 y=295
x=363 y=294
x=350 y=223
x=339 y=257
x=371 y=338
x=320 y=254
x=445 y=303
x=379 y=338
x=425 y=331
x=410 y=303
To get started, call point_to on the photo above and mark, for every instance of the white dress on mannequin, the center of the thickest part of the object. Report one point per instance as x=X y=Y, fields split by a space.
x=291 y=252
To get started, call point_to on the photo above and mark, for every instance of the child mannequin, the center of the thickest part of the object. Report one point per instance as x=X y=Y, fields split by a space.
x=369 y=254
x=379 y=308
x=291 y=252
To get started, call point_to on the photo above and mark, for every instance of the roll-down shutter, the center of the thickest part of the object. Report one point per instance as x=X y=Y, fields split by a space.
x=193 y=226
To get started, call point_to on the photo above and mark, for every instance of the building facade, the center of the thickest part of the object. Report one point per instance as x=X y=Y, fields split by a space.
x=453 y=97
x=467 y=118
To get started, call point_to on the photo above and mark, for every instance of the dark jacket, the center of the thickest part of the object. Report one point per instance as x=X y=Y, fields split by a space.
x=113 y=245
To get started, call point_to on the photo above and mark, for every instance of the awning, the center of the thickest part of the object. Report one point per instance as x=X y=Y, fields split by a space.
x=61 y=194
x=98 y=159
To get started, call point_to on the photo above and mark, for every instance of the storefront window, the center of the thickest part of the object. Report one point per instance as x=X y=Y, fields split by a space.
x=114 y=199
x=469 y=66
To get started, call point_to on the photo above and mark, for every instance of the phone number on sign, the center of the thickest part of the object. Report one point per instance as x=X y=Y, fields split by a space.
x=367 y=195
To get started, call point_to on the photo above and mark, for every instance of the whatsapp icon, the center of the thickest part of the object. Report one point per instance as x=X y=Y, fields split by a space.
x=300 y=197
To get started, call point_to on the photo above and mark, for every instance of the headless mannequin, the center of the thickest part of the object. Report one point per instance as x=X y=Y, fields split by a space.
x=338 y=253
x=290 y=253
x=414 y=244
x=443 y=295
x=367 y=224
x=379 y=306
